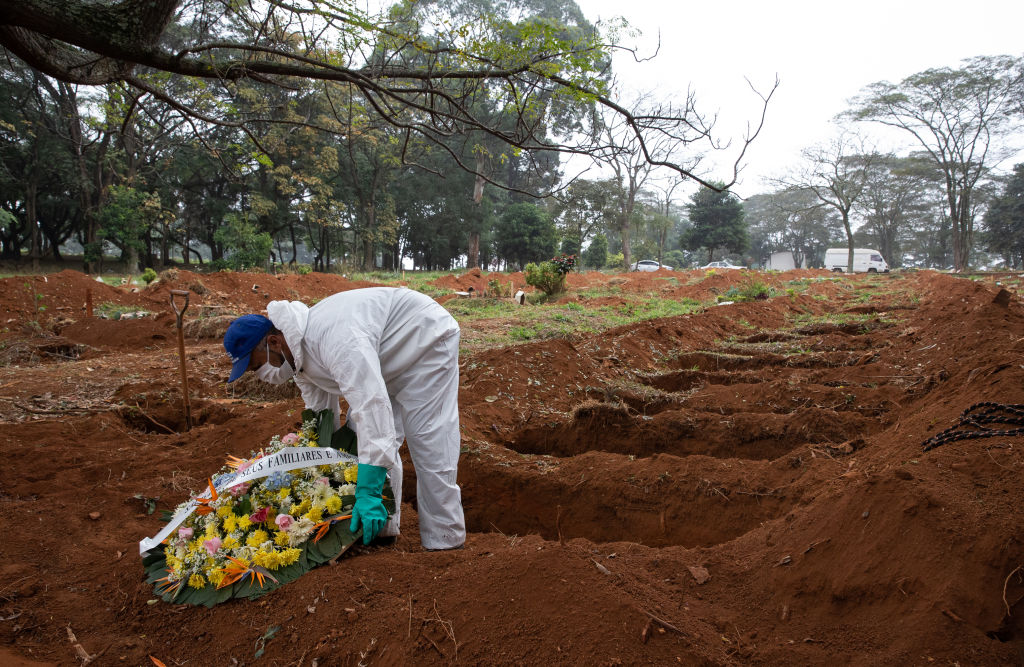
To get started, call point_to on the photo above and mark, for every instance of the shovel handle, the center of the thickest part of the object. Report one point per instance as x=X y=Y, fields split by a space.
x=181 y=354
x=174 y=304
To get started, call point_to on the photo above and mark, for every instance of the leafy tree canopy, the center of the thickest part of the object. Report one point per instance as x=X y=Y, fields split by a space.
x=525 y=233
x=434 y=73
x=717 y=222
x=1004 y=220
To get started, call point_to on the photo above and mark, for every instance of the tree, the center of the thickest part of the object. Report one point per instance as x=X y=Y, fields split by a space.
x=663 y=221
x=525 y=233
x=399 y=63
x=837 y=173
x=894 y=196
x=793 y=220
x=582 y=209
x=126 y=218
x=250 y=248
x=1004 y=220
x=632 y=165
x=717 y=222
x=596 y=254
x=955 y=115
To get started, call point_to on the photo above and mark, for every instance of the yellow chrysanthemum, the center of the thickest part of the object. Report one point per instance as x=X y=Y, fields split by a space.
x=315 y=514
x=333 y=505
x=281 y=538
x=289 y=556
x=301 y=508
x=230 y=523
x=216 y=577
x=211 y=529
x=229 y=543
x=244 y=523
x=284 y=493
x=196 y=581
x=257 y=538
x=351 y=473
x=223 y=511
x=268 y=559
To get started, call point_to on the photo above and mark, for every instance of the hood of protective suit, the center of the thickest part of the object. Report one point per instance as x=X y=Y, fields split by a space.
x=291 y=318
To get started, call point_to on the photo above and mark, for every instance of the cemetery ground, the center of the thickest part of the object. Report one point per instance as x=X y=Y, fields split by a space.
x=660 y=468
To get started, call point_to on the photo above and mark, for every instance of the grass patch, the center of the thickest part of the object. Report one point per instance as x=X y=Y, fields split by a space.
x=752 y=290
x=806 y=319
x=500 y=322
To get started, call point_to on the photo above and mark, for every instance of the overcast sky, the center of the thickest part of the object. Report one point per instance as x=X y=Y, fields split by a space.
x=822 y=52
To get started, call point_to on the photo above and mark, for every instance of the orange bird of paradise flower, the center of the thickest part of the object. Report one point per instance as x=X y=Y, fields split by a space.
x=204 y=503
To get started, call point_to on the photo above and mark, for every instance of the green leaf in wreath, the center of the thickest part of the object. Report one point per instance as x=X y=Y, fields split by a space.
x=344 y=439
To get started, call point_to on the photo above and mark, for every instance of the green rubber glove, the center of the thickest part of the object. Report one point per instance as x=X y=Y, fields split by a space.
x=369 y=508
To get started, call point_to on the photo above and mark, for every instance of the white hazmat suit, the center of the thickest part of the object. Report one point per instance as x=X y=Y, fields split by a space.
x=393 y=354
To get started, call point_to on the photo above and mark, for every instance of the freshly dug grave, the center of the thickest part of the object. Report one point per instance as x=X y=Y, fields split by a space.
x=744 y=484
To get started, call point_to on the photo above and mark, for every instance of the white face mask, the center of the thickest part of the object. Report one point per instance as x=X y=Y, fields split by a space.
x=274 y=374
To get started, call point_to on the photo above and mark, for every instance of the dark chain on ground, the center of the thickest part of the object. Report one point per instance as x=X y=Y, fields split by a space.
x=974 y=420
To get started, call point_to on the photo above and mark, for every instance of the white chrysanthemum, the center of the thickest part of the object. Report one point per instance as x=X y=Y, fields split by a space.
x=299 y=531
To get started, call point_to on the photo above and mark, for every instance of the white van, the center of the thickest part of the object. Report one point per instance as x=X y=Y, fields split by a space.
x=865 y=260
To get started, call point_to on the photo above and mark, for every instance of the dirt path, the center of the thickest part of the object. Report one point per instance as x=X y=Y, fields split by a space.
x=745 y=484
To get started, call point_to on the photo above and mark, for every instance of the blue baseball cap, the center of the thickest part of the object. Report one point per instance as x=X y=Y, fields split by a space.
x=241 y=338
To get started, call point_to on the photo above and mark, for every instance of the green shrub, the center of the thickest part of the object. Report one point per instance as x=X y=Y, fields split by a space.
x=546 y=277
x=250 y=248
x=752 y=291
x=149 y=275
x=303 y=269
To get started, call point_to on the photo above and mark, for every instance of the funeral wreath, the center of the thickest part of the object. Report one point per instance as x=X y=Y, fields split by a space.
x=262 y=521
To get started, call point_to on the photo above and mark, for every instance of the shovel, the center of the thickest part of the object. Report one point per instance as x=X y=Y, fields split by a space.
x=181 y=354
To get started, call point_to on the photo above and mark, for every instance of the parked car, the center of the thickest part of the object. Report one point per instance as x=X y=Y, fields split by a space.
x=721 y=265
x=649 y=265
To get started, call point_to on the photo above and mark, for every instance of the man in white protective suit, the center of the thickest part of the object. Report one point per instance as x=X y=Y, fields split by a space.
x=393 y=354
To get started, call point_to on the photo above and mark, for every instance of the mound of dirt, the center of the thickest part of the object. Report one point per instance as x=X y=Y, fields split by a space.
x=241 y=293
x=58 y=294
x=134 y=334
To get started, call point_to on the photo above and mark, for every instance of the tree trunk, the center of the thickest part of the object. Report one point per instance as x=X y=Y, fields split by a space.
x=368 y=247
x=187 y=246
x=31 y=219
x=849 y=239
x=473 y=249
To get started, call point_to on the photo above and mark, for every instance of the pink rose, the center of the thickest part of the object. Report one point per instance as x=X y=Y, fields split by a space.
x=260 y=516
x=290 y=439
x=239 y=489
x=324 y=481
x=212 y=545
x=284 y=521
x=185 y=533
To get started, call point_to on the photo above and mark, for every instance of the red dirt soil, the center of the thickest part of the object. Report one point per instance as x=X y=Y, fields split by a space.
x=741 y=485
